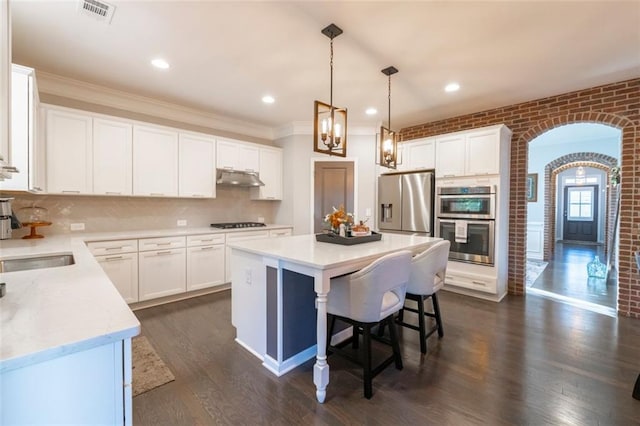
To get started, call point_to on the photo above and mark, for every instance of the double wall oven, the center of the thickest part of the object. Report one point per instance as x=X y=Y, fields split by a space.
x=466 y=217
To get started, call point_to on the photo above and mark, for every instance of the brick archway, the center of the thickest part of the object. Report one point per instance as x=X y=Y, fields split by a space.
x=552 y=169
x=518 y=183
x=614 y=104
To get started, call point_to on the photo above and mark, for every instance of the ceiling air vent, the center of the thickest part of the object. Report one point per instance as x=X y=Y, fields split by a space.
x=97 y=9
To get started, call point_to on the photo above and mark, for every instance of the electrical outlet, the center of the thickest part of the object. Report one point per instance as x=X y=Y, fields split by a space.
x=247 y=276
x=182 y=222
x=367 y=212
x=76 y=226
x=260 y=219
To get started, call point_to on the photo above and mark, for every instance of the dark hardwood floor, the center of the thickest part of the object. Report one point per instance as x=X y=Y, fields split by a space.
x=524 y=361
x=566 y=275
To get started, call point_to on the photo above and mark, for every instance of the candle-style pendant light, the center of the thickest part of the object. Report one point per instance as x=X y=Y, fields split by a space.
x=389 y=138
x=330 y=122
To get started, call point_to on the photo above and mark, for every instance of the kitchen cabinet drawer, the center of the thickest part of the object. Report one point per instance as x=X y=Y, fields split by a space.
x=280 y=232
x=101 y=248
x=473 y=282
x=161 y=243
x=161 y=273
x=205 y=266
x=205 y=240
x=122 y=270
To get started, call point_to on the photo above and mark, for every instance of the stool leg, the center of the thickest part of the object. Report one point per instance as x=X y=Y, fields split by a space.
x=366 y=353
x=421 y=325
x=436 y=311
x=355 y=339
x=393 y=332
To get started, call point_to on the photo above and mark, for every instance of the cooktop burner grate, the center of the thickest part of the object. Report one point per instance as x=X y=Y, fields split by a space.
x=232 y=225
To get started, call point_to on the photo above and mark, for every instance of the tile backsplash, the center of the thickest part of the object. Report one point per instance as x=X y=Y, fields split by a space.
x=105 y=214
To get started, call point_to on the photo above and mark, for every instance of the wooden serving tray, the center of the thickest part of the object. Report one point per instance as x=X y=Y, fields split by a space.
x=348 y=241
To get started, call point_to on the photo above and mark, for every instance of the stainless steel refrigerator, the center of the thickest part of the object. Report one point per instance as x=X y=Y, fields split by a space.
x=405 y=202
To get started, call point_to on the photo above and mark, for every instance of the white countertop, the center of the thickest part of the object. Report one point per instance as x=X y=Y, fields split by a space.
x=305 y=250
x=47 y=313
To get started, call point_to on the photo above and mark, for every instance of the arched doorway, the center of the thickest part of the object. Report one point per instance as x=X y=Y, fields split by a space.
x=518 y=214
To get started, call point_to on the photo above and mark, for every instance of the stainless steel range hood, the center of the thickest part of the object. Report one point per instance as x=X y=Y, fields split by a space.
x=238 y=178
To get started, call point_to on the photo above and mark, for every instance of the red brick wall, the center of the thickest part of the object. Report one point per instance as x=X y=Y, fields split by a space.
x=617 y=105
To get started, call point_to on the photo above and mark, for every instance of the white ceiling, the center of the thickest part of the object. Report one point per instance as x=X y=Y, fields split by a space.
x=225 y=55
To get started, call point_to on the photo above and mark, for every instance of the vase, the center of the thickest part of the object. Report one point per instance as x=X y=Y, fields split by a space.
x=596 y=269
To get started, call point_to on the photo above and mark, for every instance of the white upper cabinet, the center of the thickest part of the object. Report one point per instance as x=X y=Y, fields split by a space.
x=237 y=156
x=483 y=152
x=112 y=165
x=27 y=154
x=155 y=161
x=450 y=159
x=197 y=159
x=421 y=154
x=69 y=152
x=477 y=152
x=270 y=175
x=5 y=87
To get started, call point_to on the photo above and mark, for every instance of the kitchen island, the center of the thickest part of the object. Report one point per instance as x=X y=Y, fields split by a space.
x=277 y=286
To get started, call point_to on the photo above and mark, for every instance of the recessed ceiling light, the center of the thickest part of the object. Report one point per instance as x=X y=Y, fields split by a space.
x=268 y=99
x=452 y=87
x=371 y=111
x=160 y=63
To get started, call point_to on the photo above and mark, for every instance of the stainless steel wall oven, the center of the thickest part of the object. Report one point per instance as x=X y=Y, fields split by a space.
x=466 y=217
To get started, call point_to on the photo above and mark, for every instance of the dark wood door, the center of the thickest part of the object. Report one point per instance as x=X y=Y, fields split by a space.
x=581 y=213
x=333 y=187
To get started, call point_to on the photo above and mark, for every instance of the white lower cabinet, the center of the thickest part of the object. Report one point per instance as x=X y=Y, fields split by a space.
x=119 y=260
x=205 y=261
x=86 y=387
x=122 y=270
x=161 y=272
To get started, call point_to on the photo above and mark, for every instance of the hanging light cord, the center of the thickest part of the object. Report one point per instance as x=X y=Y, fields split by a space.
x=331 y=78
x=389 y=109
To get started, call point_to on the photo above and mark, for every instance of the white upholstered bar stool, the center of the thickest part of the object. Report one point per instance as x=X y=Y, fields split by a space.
x=428 y=270
x=364 y=299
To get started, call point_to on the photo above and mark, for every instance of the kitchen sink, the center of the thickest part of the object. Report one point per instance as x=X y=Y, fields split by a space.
x=36 y=262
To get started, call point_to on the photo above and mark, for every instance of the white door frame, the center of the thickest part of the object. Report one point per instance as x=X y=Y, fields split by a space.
x=312 y=184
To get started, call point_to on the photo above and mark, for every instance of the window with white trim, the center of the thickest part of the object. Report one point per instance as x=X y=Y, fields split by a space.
x=580 y=204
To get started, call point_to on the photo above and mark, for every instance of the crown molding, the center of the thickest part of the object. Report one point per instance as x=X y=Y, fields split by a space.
x=306 y=128
x=91 y=93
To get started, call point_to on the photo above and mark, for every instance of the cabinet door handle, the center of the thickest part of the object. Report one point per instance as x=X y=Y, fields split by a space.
x=113 y=258
x=197 y=195
x=158 y=194
x=114 y=248
x=163 y=244
x=479 y=282
x=113 y=193
x=37 y=188
x=65 y=191
x=207 y=248
x=164 y=252
x=449 y=176
x=11 y=169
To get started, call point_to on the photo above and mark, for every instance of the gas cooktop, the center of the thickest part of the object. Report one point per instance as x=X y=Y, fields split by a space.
x=231 y=225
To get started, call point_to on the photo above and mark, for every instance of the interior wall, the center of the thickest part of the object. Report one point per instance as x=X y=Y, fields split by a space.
x=296 y=206
x=583 y=137
x=617 y=105
x=108 y=214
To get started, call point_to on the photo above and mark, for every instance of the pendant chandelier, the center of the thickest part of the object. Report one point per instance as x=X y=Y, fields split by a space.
x=330 y=122
x=389 y=138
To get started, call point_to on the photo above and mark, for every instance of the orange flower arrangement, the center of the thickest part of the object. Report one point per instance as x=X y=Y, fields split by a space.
x=337 y=217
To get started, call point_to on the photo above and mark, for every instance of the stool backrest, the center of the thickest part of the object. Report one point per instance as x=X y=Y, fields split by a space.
x=369 y=285
x=428 y=269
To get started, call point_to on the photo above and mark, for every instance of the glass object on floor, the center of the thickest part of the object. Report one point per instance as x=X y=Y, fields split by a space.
x=597 y=269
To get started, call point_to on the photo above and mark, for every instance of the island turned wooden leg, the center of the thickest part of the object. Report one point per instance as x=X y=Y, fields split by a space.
x=321 y=368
